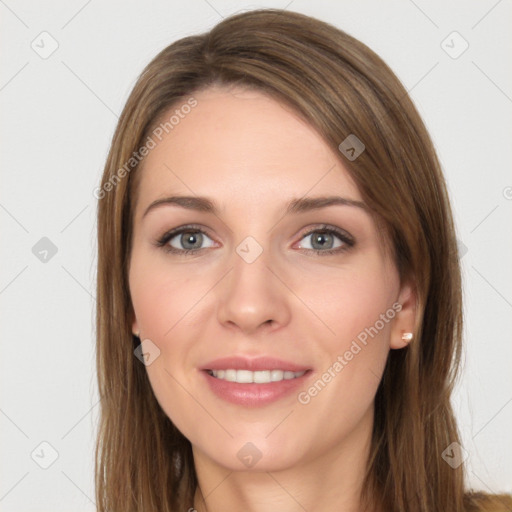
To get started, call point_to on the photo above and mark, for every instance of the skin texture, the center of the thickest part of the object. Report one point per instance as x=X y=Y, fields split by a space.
x=251 y=155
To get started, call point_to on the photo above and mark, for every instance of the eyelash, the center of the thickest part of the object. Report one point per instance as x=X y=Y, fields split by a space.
x=348 y=241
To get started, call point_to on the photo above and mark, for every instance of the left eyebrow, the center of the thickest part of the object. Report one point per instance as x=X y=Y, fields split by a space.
x=300 y=205
x=314 y=203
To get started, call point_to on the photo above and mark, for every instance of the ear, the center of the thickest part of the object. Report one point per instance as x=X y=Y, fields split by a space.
x=135 y=326
x=405 y=319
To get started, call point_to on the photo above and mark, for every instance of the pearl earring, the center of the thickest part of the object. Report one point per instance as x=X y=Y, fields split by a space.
x=407 y=337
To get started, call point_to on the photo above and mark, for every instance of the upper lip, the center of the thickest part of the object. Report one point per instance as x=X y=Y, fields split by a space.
x=254 y=364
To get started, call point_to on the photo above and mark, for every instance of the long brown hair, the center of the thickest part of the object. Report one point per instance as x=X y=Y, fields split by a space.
x=340 y=87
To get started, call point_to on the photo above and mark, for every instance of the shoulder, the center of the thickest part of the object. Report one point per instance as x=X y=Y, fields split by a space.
x=483 y=502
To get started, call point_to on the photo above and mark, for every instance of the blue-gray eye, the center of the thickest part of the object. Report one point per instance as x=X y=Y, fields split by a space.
x=325 y=240
x=189 y=240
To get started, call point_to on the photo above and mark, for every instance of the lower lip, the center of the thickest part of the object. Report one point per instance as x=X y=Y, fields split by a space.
x=254 y=395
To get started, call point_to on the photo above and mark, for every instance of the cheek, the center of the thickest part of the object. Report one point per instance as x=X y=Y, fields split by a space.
x=163 y=298
x=352 y=301
x=166 y=302
x=355 y=307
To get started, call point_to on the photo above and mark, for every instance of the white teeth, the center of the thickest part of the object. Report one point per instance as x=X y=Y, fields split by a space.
x=229 y=375
x=244 y=376
x=262 y=377
x=276 y=375
x=259 y=377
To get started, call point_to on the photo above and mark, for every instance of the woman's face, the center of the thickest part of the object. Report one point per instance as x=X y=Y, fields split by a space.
x=273 y=278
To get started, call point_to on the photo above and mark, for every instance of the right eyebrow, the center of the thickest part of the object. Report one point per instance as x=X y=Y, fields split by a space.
x=202 y=204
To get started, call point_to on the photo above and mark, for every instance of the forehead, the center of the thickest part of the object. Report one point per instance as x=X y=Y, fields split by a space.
x=238 y=144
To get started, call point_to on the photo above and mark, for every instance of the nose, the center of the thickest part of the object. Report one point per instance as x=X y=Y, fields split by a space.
x=252 y=296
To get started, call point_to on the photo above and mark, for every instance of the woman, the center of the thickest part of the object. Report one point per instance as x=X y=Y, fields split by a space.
x=279 y=293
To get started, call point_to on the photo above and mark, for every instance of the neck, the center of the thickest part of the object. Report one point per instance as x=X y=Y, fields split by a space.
x=332 y=480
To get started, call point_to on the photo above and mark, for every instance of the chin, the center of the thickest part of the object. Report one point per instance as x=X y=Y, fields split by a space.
x=250 y=459
x=252 y=453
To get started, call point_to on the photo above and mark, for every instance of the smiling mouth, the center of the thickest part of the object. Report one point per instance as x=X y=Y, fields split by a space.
x=256 y=377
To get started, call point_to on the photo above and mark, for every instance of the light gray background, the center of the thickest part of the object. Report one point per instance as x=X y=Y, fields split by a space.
x=58 y=117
